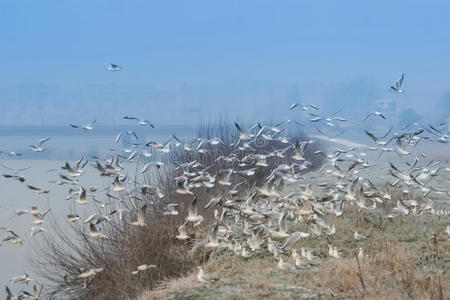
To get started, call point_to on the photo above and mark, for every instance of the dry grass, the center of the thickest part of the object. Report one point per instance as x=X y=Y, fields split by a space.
x=405 y=258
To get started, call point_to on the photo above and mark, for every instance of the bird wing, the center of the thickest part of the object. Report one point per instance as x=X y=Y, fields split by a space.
x=82 y=193
x=130 y=118
x=292 y=239
x=432 y=127
x=141 y=214
x=182 y=229
x=214 y=232
x=93 y=228
x=238 y=128
x=371 y=136
x=77 y=164
x=33 y=188
x=193 y=207
x=41 y=141
x=45 y=212
x=282 y=222
x=399 y=82
x=117 y=138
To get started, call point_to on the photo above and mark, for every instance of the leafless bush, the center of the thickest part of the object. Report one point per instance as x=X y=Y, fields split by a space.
x=68 y=249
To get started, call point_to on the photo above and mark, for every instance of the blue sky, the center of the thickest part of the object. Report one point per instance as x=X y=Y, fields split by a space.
x=189 y=60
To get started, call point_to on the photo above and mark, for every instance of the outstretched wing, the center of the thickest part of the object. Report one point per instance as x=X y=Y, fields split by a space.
x=399 y=82
x=371 y=136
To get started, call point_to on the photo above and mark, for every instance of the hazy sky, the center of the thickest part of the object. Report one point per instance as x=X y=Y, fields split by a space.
x=189 y=60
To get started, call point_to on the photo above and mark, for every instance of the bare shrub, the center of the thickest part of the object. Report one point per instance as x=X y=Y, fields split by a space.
x=68 y=249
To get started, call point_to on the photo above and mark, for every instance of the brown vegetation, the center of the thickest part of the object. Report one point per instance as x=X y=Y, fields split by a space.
x=68 y=249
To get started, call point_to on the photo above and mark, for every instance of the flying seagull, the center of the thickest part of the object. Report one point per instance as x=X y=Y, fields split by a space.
x=38 y=147
x=86 y=127
x=113 y=67
x=143 y=122
x=398 y=85
x=377 y=113
x=17 y=177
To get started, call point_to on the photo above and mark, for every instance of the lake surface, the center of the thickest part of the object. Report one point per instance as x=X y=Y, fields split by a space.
x=65 y=144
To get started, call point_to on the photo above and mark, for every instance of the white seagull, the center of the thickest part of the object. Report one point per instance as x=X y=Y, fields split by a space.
x=38 y=147
x=113 y=67
x=398 y=85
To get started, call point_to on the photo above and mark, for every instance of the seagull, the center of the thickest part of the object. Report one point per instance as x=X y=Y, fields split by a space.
x=243 y=136
x=333 y=251
x=23 y=279
x=89 y=273
x=360 y=237
x=71 y=218
x=113 y=67
x=398 y=85
x=377 y=113
x=93 y=232
x=131 y=132
x=203 y=277
x=81 y=196
x=183 y=188
x=21 y=212
x=299 y=151
x=140 y=216
x=121 y=213
x=15 y=171
x=38 y=147
x=361 y=254
x=182 y=235
x=76 y=170
x=12 y=238
x=143 y=268
x=146 y=167
x=117 y=139
x=86 y=127
x=193 y=215
x=38 y=191
x=35 y=295
x=303 y=107
x=293 y=238
x=117 y=185
x=143 y=122
x=13 y=153
x=213 y=241
x=401 y=147
x=17 y=177
x=285 y=265
x=36 y=230
x=38 y=216
x=97 y=219
x=171 y=209
x=377 y=140
x=299 y=262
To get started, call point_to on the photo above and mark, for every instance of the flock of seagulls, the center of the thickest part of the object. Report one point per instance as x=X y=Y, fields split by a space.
x=248 y=218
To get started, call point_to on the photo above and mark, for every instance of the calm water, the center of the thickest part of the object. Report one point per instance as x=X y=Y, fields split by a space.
x=65 y=144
